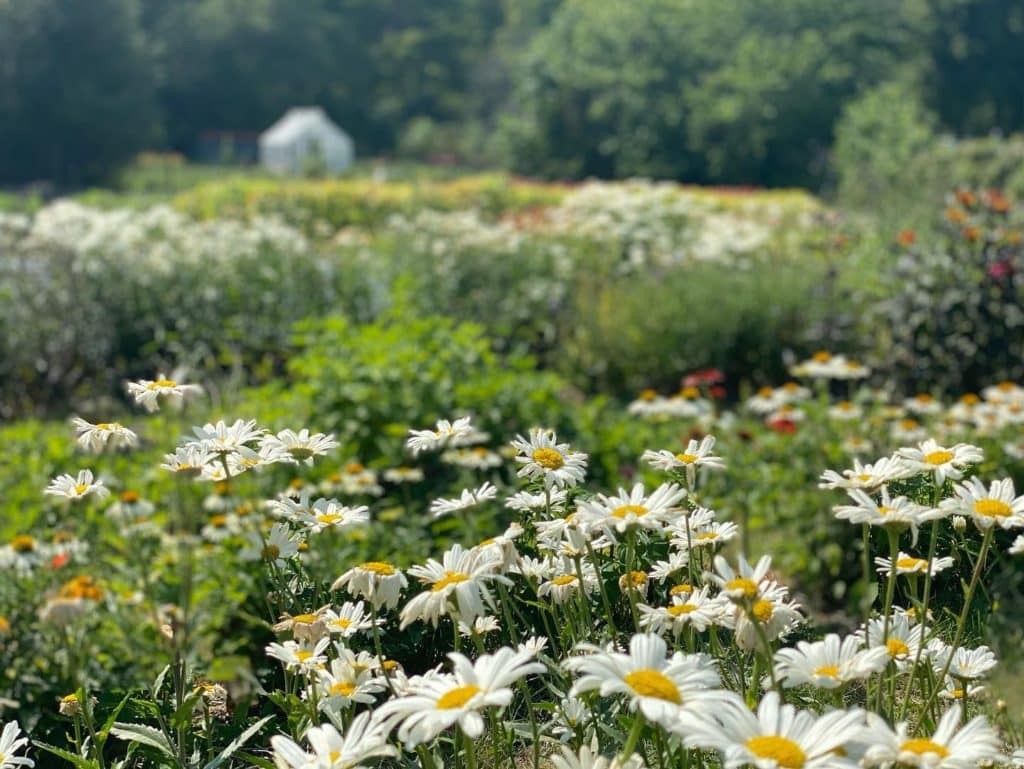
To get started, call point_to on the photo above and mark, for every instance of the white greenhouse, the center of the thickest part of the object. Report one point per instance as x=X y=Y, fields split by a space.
x=305 y=141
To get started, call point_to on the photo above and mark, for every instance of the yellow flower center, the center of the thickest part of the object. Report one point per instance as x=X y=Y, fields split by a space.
x=129 y=497
x=345 y=689
x=550 y=459
x=108 y=426
x=648 y=395
x=270 y=552
x=678 y=589
x=5 y=626
x=938 y=457
x=637 y=578
x=449 y=578
x=161 y=383
x=822 y=357
x=831 y=671
x=456 y=698
x=923 y=747
x=687 y=459
x=334 y=755
x=23 y=543
x=81 y=488
x=342 y=623
x=782 y=751
x=328 y=518
x=565 y=579
x=690 y=393
x=763 y=610
x=923 y=398
x=992 y=508
x=707 y=535
x=379 y=567
x=897 y=648
x=865 y=477
x=625 y=510
x=682 y=608
x=746 y=586
x=304 y=619
x=651 y=683
x=883 y=510
x=303 y=654
x=354 y=467
x=916 y=564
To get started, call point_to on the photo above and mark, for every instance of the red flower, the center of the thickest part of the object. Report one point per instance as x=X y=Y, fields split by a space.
x=60 y=560
x=717 y=392
x=703 y=376
x=1000 y=270
x=785 y=426
x=906 y=237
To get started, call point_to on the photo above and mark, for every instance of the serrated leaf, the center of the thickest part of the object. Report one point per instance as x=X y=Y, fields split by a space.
x=158 y=683
x=236 y=743
x=145 y=735
x=71 y=758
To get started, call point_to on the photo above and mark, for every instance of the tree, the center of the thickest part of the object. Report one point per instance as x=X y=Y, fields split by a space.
x=76 y=89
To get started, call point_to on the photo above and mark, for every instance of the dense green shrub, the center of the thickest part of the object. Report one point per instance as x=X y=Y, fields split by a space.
x=955 y=319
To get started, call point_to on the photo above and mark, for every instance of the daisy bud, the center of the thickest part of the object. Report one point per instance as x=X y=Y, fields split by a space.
x=959 y=524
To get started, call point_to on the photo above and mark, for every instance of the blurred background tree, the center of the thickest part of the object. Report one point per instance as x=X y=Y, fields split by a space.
x=735 y=93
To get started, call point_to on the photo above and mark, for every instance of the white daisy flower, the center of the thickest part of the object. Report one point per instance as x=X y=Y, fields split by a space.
x=942 y=462
x=96 y=437
x=1018 y=545
x=403 y=475
x=591 y=758
x=771 y=615
x=634 y=508
x=457 y=586
x=923 y=404
x=869 y=476
x=899 y=513
x=346 y=681
x=697 y=609
x=524 y=501
x=694 y=456
x=457 y=433
x=11 y=742
x=279 y=545
x=301 y=446
x=845 y=411
x=709 y=535
x=572 y=714
x=964 y=664
x=436 y=701
x=379 y=583
x=331 y=514
x=75 y=488
x=903 y=641
x=677 y=561
x=778 y=736
x=955 y=690
x=746 y=582
x=190 y=459
x=302 y=656
x=223 y=439
x=543 y=458
x=908 y=564
x=481 y=626
x=564 y=583
x=668 y=691
x=24 y=553
x=829 y=663
x=468 y=498
x=998 y=505
x=477 y=458
x=968 y=747
x=349 y=620
x=364 y=739
x=908 y=431
x=148 y=392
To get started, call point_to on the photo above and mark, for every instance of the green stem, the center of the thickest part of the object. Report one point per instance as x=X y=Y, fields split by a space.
x=961 y=623
x=634 y=737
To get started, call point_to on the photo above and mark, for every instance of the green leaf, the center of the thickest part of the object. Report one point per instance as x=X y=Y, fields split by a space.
x=262 y=763
x=236 y=743
x=71 y=758
x=145 y=735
